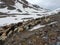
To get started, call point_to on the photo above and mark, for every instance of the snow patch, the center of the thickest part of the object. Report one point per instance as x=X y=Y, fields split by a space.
x=36 y=27
x=56 y=11
x=18 y=18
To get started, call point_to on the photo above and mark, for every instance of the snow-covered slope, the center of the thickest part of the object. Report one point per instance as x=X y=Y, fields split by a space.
x=18 y=18
x=18 y=7
x=56 y=11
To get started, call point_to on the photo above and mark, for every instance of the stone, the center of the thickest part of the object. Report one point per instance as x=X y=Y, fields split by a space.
x=3 y=37
x=20 y=29
x=47 y=20
x=10 y=33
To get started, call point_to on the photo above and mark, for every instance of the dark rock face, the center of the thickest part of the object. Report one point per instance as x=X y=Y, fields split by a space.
x=2 y=13
x=24 y=6
x=36 y=6
x=9 y=2
x=2 y=6
x=19 y=10
x=11 y=8
x=25 y=1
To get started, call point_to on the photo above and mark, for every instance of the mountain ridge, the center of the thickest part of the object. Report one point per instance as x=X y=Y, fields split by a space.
x=17 y=6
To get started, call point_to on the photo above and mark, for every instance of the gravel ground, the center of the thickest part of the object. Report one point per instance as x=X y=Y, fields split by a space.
x=48 y=35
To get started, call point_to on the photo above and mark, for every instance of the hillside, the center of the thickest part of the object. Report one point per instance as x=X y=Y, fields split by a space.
x=18 y=7
x=22 y=23
x=14 y=11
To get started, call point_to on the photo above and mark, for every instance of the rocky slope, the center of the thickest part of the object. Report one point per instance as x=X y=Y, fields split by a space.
x=23 y=33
